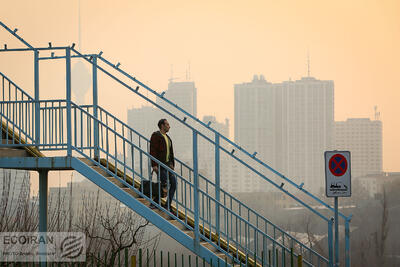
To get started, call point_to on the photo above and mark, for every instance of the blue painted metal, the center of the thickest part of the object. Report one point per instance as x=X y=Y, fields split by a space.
x=37 y=97
x=43 y=180
x=336 y=232
x=214 y=131
x=196 y=190
x=330 y=243
x=32 y=163
x=68 y=81
x=137 y=206
x=95 y=108
x=347 y=240
x=15 y=34
x=108 y=140
x=217 y=182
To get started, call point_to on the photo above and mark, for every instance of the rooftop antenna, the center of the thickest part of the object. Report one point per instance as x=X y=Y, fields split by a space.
x=377 y=113
x=308 y=63
x=172 y=78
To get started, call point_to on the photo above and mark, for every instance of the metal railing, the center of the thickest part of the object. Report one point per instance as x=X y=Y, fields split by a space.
x=94 y=133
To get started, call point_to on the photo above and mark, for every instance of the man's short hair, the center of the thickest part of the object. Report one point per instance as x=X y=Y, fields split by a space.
x=161 y=122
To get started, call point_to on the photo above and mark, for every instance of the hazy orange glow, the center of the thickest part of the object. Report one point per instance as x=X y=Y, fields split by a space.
x=355 y=43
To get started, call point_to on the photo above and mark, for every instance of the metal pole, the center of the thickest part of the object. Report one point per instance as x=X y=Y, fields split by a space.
x=95 y=102
x=68 y=78
x=217 y=181
x=37 y=97
x=336 y=232
x=330 y=242
x=196 y=191
x=347 y=233
x=43 y=212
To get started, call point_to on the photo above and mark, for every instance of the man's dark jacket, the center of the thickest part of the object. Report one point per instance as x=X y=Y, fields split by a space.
x=158 y=149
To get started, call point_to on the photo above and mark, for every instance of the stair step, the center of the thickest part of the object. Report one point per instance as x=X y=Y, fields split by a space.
x=7 y=141
x=222 y=256
x=144 y=201
x=131 y=192
x=209 y=246
x=87 y=161
x=189 y=233
x=100 y=171
x=164 y=215
x=176 y=223
x=13 y=152
x=117 y=182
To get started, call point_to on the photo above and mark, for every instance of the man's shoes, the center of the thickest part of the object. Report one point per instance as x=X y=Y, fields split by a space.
x=165 y=206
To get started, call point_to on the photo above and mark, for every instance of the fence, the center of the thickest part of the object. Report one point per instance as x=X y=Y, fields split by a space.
x=149 y=259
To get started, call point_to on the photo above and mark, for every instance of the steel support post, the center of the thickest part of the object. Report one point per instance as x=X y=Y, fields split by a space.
x=37 y=97
x=196 y=191
x=347 y=237
x=217 y=182
x=336 y=231
x=330 y=242
x=68 y=79
x=95 y=114
x=43 y=179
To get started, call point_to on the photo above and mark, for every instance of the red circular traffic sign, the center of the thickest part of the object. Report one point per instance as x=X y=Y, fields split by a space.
x=338 y=165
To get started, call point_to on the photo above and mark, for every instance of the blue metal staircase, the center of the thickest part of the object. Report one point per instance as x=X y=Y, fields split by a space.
x=204 y=218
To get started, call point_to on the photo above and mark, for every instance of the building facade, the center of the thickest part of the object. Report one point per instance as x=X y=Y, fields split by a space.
x=363 y=138
x=288 y=124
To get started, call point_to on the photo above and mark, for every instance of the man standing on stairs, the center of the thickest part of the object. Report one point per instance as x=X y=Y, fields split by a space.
x=161 y=148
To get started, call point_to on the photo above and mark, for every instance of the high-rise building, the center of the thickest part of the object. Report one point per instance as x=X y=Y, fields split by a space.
x=363 y=138
x=183 y=94
x=206 y=149
x=144 y=120
x=289 y=125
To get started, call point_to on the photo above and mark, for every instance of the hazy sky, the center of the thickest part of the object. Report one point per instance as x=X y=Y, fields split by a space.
x=355 y=43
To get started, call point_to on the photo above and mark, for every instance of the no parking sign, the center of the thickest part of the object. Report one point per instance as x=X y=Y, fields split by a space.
x=337 y=174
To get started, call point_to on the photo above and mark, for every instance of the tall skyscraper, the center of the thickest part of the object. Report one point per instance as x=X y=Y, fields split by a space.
x=289 y=124
x=184 y=94
x=206 y=150
x=363 y=138
x=144 y=119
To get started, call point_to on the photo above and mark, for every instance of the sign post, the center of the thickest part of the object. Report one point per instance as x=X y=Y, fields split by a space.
x=337 y=184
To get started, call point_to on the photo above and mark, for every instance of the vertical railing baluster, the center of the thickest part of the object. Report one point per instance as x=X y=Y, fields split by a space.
x=95 y=111
x=217 y=183
x=37 y=97
x=68 y=78
x=196 y=191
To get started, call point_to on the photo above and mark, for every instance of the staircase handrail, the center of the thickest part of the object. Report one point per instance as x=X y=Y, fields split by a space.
x=74 y=106
x=252 y=156
x=211 y=141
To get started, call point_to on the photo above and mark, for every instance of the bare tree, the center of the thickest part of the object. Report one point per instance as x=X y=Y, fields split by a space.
x=111 y=228
x=380 y=239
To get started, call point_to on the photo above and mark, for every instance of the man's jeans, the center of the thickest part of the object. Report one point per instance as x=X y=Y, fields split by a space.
x=172 y=184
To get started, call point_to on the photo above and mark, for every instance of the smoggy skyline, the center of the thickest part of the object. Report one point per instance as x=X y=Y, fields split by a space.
x=355 y=44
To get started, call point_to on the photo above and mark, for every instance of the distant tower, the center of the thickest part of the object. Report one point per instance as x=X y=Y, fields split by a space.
x=308 y=63
x=81 y=79
x=377 y=113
